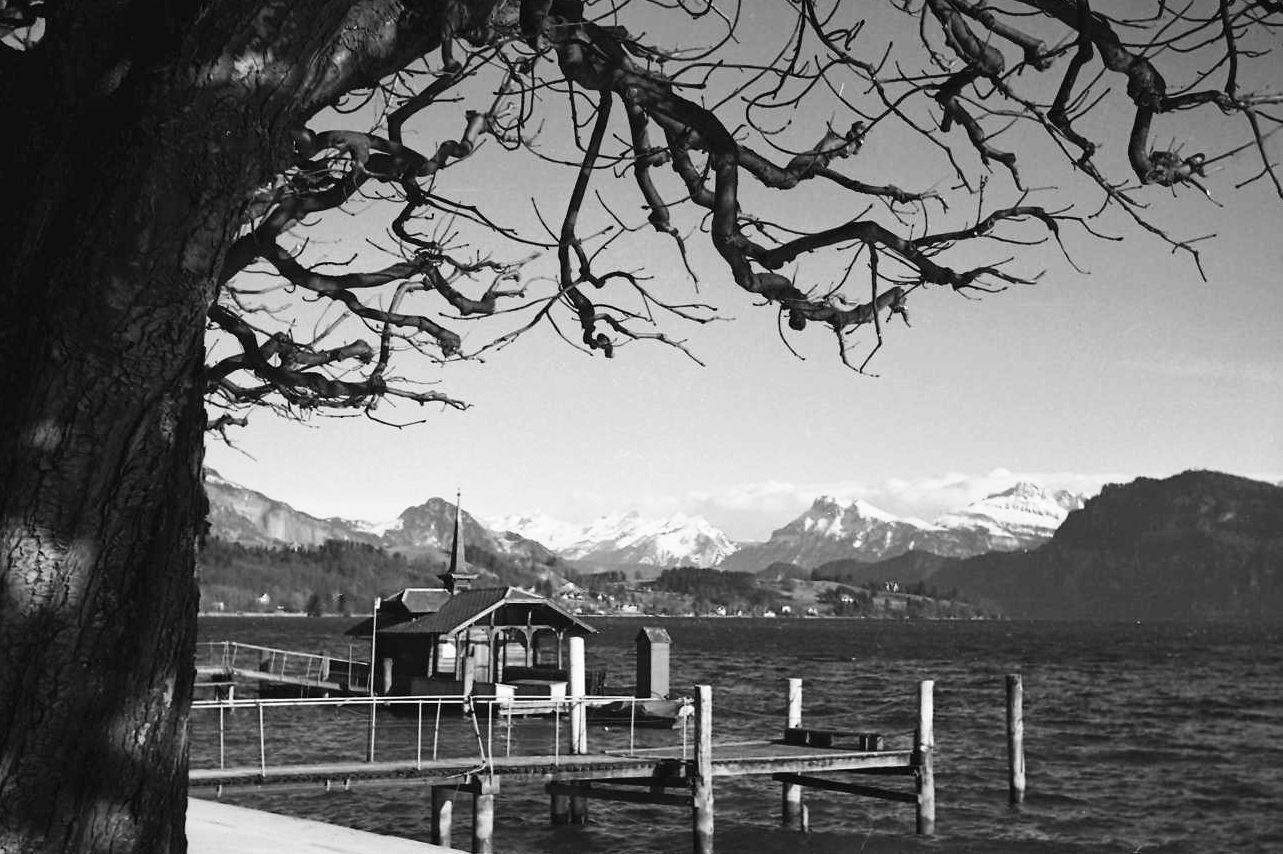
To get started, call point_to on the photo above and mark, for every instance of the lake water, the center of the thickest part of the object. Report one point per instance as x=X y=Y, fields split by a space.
x=1163 y=737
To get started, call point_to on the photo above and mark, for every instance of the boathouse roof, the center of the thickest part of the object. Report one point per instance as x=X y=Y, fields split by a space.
x=403 y=606
x=510 y=606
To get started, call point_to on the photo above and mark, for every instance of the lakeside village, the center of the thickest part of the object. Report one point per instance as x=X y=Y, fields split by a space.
x=343 y=578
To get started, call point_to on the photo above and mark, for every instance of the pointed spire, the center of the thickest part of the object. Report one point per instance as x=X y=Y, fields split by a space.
x=456 y=578
x=456 y=545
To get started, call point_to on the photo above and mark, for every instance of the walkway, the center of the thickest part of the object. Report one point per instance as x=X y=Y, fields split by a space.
x=214 y=828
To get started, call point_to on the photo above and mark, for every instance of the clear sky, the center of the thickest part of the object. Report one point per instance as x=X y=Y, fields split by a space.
x=1139 y=368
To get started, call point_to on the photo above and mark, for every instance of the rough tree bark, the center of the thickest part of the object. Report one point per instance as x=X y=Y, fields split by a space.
x=136 y=137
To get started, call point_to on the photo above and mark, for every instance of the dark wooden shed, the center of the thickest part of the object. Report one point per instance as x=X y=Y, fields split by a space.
x=473 y=642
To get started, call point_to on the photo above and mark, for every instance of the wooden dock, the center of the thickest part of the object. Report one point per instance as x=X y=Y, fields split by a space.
x=667 y=776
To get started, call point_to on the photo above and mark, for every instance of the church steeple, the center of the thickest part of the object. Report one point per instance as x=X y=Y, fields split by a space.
x=457 y=578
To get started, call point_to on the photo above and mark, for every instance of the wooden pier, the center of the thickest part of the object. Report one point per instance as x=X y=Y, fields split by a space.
x=681 y=776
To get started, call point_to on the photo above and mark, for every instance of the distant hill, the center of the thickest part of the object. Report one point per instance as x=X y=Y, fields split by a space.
x=258 y=531
x=1197 y=545
x=905 y=568
x=778 y=572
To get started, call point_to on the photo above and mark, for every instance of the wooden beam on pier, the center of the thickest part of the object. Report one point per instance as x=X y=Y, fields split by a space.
x=1015 y=739
x=483 y=814
x=791 y=795
x=649 y=782
x=702 y=803
x=442 y=814
x=924 y=758
x=587 y=791
x=845 y=786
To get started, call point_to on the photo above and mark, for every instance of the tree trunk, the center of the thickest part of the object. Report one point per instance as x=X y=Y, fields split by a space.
x=100 y=455
x=136 y=135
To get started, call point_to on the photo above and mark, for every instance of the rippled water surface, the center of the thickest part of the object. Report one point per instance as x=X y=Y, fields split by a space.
x=1160 y=737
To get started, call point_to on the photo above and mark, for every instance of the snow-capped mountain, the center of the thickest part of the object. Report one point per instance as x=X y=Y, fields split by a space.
x=1025 y=512
x=1022 y=517
x=831 y=529
x=628 y=538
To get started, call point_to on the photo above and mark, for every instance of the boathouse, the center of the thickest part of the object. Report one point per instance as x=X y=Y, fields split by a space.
x=457 y=640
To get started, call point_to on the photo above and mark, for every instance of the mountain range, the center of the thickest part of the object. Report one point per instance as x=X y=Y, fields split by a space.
x=1196 y=545
x=242 y=515
x=1021 y=517
x=1199 y=544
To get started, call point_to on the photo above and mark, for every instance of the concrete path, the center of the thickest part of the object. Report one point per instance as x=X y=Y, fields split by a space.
x=217 y=828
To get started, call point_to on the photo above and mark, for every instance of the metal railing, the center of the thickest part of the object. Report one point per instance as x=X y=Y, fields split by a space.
x=284 y=663
x=485 y=720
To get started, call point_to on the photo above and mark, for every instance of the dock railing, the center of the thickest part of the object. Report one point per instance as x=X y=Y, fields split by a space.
x=286 y=664
x=429 y=728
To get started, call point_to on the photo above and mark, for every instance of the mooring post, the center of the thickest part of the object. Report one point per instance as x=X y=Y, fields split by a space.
x=702 y=803
x=923 y=750
x=442 y=814
x=792 y=792
x=483 y=814
x=578 y=720
x=578 y=809
x=1016 y=738
x=374 y=623
x=559 y=809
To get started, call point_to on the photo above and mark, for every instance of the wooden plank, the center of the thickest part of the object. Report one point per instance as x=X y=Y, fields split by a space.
x=599 y=793
x=651 y=782
x=734 y=761
x=847 y=787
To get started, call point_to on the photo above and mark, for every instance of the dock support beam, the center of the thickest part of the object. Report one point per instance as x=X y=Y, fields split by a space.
x=559 y=809
x=578 y=809
x=1015 y=738
x=442 y=814
x=483 y=814
x=702 y=808
x=578 y=720
x=791 y=815
x=923 y=759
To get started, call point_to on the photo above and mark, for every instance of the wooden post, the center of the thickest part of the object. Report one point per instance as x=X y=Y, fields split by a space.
x=1016 y=738
x=702 y=806
x=578 y=720
x=923 y=750
x=442 y=814
x=578 y=809
x=483 y=814
x=374 y=624
x=791 y=815
x=559 y=809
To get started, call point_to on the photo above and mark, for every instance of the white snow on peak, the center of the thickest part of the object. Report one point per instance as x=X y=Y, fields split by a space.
x=1025 y=508
x=859 y=506
x=378 y=529
x=553 y=533
x=662 y=541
